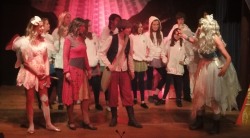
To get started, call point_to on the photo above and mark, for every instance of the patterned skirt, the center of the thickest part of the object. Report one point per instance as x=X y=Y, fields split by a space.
x=140 y=66
x=77 y=88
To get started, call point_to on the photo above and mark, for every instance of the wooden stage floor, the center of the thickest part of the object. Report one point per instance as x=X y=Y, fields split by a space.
x=158 y=121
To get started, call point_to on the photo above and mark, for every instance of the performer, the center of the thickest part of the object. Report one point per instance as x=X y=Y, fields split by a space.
x=92 y=44
x=76 y=73
x=116 y=54
x=140 y=57
x=176 y=59
x=34 y=70
x=191 y=52
x=156 y=55
x=107 y=31
x=216 y=83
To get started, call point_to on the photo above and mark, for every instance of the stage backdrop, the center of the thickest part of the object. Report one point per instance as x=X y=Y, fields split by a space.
x=97 y=11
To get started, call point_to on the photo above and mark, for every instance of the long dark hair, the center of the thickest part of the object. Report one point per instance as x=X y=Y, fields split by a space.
x=173 y=40
x=112 y=17
x=135 y=27
x=88 y=33
x=158 y=33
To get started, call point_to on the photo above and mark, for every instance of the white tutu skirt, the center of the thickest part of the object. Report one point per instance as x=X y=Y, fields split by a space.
x=209 y=88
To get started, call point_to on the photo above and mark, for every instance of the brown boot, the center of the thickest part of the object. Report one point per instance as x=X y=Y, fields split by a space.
x=113 y=121
x=215 y=129
x=132 y=121
x=198 y=124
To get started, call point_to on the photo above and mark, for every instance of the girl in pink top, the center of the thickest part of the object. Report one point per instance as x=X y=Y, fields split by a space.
x=77 y=72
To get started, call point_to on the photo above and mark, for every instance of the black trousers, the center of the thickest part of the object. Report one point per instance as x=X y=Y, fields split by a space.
x=59 y=84
x=177 y=81
x=138 y=81
x=150 y=76
x=186 y=83
x=95 y=82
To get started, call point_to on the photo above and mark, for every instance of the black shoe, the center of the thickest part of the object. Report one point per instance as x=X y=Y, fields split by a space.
x=215 y=129
x=155 y=98
x=134 y=124
x=198 y=124
x=113 y=122
x=135 y=101
x=188 y=99
x=88 y=126
x=144 y=105
x=160 y=102
x=150 y=99
x=131 y=115
x=179 y=103
x=60 y=107
x=98 y=107
x=72 y=126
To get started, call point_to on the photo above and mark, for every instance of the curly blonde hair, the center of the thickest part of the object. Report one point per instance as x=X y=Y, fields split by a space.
x=209 y=28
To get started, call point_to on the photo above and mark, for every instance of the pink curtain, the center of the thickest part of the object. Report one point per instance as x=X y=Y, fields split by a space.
x=98 y=11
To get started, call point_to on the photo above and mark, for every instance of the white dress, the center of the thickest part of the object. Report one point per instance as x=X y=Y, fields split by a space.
x=209 y=88
x=37 y=58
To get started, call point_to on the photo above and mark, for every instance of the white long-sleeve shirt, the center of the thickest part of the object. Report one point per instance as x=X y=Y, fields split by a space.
x=59 y=53
x=139 y=47
x=103 y=38
x=175 y=54
x=92 y=50
x=156 y=51
x=106 y=33
x=51 y=48
x=122 y=64
x=186 y=30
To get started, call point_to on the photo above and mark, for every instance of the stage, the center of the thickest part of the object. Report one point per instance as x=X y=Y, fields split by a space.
x=158 y=121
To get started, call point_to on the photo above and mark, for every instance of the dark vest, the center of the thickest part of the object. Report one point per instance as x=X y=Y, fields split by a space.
x=113 y=49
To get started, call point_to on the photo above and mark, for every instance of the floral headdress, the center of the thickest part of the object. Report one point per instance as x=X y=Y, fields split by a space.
x=36 y=20
x=208 y=24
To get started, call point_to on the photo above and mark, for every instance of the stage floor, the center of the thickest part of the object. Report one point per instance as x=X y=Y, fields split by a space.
x=158 y=121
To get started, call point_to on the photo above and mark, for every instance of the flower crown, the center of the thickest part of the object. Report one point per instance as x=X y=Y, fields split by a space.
x=35 y=20
x=208 y=23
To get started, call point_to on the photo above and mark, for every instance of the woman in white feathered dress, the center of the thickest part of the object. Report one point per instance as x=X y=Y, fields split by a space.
x=216 y=83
